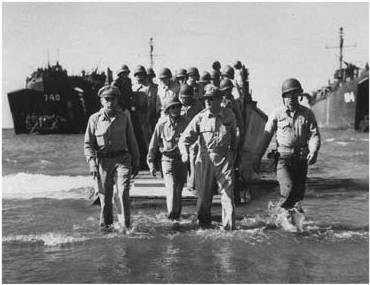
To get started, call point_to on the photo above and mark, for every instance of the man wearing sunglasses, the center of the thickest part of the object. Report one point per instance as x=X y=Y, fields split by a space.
x=216 y=129
x=165 y=139
x=298 y=143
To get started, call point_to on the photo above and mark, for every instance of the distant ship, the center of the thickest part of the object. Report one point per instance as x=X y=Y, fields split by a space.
x=343 y=103
x=54 y=102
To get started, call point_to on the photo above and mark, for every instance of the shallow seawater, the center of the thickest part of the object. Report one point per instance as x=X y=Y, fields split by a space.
x=51 y=235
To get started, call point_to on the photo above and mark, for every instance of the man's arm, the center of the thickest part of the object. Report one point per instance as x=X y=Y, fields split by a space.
x=90 y=146
x=270 y=129
x=314 y=141
x=153 y=149
x=188 y=137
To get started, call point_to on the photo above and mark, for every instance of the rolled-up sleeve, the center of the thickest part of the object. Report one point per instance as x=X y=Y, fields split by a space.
x=153 y=145
x=90 y=139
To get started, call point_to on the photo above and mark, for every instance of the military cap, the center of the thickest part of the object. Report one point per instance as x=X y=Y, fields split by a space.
x=226 y=84
x=290 y=85
x=228 y=71
x=180 y=73
x=150 y=72
x=165 y=73
x=109 y=91
x=123 y=68
x=211 y=91
x=192 y=71
x=139 y=69
x=171 y=101
x=206 y=77
x=186 y=91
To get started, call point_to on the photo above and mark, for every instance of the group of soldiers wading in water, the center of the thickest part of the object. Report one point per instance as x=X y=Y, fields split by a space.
x=189 y=128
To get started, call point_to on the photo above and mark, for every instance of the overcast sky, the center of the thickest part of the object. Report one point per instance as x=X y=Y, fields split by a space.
x=274 y=40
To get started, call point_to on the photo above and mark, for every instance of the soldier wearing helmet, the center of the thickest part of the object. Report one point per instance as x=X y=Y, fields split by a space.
x=215 y=78
x=180 y=76
x=192 y=74
x=153 y=97
x=190 y=108
x=215 y=130
x=111 y=151
x=298 y=143
x=166 y=89
x=165 y=140
x=123 y=83
x=140 y=112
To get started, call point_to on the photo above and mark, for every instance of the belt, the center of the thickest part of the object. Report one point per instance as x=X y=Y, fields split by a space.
x=111 y=154
x=292 y=150
x=172 y=154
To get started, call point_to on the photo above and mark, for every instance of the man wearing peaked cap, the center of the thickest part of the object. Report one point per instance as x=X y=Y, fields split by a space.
x=215 y=130
x=111 y=150
x=165 y=140
x=123 y=83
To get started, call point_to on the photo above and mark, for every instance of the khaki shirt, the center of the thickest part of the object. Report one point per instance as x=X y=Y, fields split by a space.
x=297 y=129
x=216 y=132
x=166 y=137
x=104 y=135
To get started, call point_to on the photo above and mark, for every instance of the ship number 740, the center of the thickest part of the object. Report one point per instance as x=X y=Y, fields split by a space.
x=52 y=97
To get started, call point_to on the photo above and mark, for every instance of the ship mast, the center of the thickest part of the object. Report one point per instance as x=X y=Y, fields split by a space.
x=151 y=47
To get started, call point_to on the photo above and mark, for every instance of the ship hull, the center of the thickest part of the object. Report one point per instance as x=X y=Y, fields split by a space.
x=345 y=107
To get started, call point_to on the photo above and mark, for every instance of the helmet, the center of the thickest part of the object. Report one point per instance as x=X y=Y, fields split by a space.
x=228 y=71
x=212 y=91
x=206 y=77
x=139 y=69
x=291 y=84
x=165 y=73
x=150 y=72
x=180 y=73
x=238 y=64
x=186 y=91
x=171 y=101
x=109 y=91
x=216 y=65
x=192 y=71
x=123 y=68
x=226 y=84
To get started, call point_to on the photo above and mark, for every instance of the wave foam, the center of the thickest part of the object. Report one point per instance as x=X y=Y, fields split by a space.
x=47 y=239
x=27 y=186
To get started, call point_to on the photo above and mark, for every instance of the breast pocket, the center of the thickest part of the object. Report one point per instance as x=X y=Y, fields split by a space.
x=100 y=136
x=283 y=125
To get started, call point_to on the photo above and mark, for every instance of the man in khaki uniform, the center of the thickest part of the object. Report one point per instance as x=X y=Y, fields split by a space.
x=165 y=139
x=111 y=150
x=152 y=100
x=215 y=127
x=298 y=143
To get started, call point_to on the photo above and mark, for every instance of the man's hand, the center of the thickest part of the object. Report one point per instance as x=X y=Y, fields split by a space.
x=93 y=168
x=185 y=157
x=312 y=158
